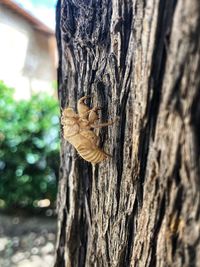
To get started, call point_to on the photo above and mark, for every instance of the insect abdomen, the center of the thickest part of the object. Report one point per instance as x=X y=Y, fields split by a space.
x=92 y=155
x=86 y=149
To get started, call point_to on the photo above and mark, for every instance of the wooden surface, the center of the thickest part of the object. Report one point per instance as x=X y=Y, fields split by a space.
x=141 y=61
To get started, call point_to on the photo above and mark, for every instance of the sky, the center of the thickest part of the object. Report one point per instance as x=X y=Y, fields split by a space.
x=43 y=10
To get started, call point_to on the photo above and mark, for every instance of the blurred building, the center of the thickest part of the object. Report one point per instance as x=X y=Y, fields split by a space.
x=28 y=55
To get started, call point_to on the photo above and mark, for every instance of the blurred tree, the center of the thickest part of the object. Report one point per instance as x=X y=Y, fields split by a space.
x=29 y=149
x=141 y=61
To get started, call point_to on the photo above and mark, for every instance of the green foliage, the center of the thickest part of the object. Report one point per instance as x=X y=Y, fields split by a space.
x=29 y=149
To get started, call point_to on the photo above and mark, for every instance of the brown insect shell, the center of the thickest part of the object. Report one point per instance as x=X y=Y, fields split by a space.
x=84 y=123
x=93 y=116
x=69 y=113
x=77 y=132
x=90 y=135
x=82 y=110
x=85 y=142
x=71 y=127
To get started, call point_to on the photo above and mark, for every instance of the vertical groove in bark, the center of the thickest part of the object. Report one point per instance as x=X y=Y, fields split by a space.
x=141 y=61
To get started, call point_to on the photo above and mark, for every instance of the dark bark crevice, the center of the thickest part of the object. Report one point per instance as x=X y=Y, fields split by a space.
x=161 y=215
x=60 y=262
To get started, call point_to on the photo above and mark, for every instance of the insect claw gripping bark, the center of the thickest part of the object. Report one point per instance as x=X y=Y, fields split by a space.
x=78 y=131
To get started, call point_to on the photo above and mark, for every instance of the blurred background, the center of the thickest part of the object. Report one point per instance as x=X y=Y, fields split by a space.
x=29 y=133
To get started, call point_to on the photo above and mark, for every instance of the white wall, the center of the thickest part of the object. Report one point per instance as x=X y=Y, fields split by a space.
x=26 y=62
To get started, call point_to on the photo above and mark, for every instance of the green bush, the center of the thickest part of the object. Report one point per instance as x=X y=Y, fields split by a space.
x=29 y=149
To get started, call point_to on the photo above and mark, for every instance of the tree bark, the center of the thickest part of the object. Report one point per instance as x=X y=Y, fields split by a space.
x=141 y=61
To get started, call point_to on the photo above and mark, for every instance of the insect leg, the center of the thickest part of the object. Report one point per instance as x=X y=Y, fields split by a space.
x=93 y=115
x=102 y=124
x=82 y=107
x=81 y=100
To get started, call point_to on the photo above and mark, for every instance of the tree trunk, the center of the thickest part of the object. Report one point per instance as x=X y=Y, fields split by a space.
x=141 y=61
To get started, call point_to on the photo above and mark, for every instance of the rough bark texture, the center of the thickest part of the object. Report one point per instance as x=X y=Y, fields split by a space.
x=141 y=60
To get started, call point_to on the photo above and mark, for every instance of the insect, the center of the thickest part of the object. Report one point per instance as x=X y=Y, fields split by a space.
x=78 y=131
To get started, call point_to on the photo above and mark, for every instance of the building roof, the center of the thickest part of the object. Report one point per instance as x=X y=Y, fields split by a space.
x=37 y=24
